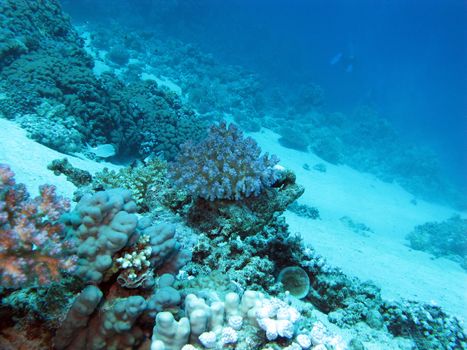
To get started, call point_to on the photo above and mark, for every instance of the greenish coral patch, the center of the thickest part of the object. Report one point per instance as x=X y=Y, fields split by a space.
x=147 y=182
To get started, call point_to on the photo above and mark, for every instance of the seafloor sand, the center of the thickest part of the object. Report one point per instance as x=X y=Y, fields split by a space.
x=382 y=256
x=29 y=160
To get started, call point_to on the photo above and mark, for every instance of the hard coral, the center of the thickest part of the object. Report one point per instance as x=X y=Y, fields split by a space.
x=230 y=321
x=446 y=238
x=224 y=166
x=31 y=246
x=147 y=182
x=111 y=238
x=102 y=224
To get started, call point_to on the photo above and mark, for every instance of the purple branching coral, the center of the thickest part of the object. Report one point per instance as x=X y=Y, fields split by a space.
x=224 y=166
x=31 y=246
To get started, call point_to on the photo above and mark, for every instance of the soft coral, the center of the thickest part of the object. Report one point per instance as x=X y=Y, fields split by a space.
x=32 y=249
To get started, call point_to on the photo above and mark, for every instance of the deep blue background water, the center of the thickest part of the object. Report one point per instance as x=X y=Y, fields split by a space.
x=409 y=57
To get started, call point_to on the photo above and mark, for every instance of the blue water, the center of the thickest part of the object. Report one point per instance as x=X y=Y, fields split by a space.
x=407 y=59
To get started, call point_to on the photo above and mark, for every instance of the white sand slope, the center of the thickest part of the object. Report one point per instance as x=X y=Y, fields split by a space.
x=383 y=256
x=29 y=159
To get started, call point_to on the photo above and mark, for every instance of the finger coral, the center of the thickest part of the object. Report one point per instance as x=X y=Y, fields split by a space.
x=224 y=166
x=31 y=246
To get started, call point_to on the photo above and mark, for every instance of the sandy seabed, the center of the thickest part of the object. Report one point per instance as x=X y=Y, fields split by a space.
x=383 y=255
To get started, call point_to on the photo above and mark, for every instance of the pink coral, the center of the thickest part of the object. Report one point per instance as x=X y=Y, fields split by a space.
x=31 y=246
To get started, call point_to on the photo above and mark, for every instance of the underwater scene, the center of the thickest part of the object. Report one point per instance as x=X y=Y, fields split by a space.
x=233 y=174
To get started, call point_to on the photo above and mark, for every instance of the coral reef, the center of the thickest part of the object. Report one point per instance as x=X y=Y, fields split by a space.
x=224 y=166
x=293 y=137
x=427 y=324
x=442 y=239
x=76 y=176
x=148 y=183
x=216 y=322
x=310 y=96
x=35 y=23
x=118 y=55
x=346 y=301
x=105 y=224
x=357 y=227
x=141 y=284
x=321 y=167
x=160 y=121
x=51 y=126
x=242 y=218
x=119 y=260
x=121 y=306
x=113 y=328
x=32 y=249
x=107 y=111
x=328 y=148
x=304 y=210
x=231 y=261
x=52 y=91
x=205 y=84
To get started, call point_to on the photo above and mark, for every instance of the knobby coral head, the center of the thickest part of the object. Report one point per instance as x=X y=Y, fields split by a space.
x=32 y=249
x=225 y=165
